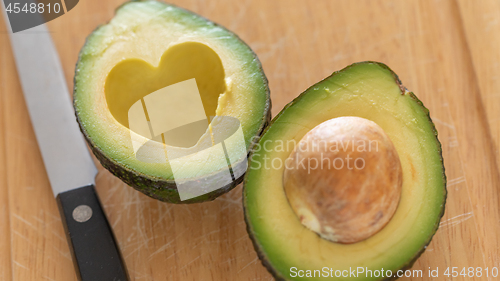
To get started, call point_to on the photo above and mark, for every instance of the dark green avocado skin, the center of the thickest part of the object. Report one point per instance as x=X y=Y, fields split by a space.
x=160 y=189
x=251 y=233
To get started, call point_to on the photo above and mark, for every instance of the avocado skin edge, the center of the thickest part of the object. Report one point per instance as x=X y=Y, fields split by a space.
x=260 y=252
x=160 y=189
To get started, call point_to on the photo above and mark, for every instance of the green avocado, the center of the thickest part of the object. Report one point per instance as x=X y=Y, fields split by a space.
x=147 y=46
x=288 y=249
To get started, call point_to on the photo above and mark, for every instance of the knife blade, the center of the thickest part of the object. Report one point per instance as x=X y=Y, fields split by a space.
x=67 y=160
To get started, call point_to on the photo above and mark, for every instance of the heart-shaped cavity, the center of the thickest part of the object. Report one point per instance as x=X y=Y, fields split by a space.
x=132 y=79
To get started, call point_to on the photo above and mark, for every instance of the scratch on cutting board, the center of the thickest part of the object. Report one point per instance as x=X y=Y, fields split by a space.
x=239 y=256
x=242 y=238
x=188 y=209
x=211 y=242
x=111 y=192
x=161 y=249
x=46 y=220
x=187 y=264
x=492 y=21
x=435 y=120
x=167 y=245
x=228 y=260
x=136 y=246
x=38 y=219
x=204 y=239
x=213 y=232
x=230 y=200
x=118 y=219
x=456 y=181
x=144 y=238
x=163 y=213
x=237 y=19
x=20 y=235
x=134 y=201
x=48 y=278
x=172 y=255
x=452 y=141
x=230 y=207
x=23 y=220
x=138 y=275
x=248 y=264
x=197 y=244
x=65 y=254
x=20 y=265
x=56 y=218
x=134 y=251
x=129 y=238
x=272 y=48
x=457 y=219
x=58 y=236
x=142 y=241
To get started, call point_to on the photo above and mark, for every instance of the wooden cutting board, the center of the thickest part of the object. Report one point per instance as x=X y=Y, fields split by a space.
x=447 y=52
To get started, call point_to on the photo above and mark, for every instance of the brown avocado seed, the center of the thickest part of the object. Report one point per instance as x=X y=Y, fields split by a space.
x=343 y=179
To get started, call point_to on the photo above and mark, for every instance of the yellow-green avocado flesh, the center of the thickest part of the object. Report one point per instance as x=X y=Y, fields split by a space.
x=369 y=90
x=147 y=46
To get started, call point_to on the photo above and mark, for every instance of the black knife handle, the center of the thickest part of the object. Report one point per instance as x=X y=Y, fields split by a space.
x=91 y=241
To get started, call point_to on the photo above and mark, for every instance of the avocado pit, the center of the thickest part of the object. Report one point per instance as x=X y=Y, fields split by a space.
x=343 y=179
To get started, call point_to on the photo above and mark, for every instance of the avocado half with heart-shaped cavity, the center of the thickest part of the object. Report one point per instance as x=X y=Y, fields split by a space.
x=149 y=46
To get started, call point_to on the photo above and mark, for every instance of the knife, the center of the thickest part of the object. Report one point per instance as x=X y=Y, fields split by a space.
x=67 y=161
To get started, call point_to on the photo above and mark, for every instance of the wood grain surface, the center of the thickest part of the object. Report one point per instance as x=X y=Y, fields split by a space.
x=447 y=52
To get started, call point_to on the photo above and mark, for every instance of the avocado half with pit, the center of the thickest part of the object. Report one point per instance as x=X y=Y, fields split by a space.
x=355 y=207
x=150 y=45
